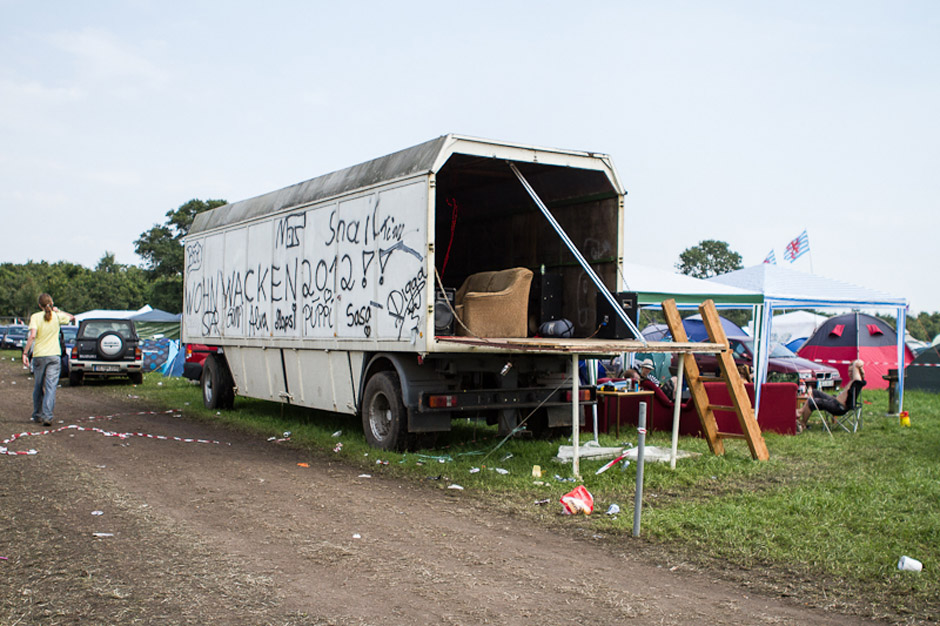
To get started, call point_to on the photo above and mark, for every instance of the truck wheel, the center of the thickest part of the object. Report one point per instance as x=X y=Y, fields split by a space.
x=218 y=389
x=76 y=378
x=384 y=418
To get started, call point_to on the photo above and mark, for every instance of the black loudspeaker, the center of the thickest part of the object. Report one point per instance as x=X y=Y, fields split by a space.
x=550 y=297
x=443 y=318
x=611 y=325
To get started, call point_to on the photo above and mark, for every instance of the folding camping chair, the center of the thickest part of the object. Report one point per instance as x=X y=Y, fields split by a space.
x=849 y=419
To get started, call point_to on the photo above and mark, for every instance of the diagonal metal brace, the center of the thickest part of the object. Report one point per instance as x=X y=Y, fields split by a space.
x=577 y=255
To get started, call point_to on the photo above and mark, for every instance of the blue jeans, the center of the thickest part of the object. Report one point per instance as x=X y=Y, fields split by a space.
x=46 y=370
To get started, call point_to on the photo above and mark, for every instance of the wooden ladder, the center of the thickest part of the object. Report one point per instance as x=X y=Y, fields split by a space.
x=728 y=373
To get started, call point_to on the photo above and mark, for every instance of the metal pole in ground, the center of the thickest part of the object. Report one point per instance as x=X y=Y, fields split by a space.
x=641 y=445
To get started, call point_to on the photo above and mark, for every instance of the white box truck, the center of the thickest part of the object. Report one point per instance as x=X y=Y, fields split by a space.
x=336 y=293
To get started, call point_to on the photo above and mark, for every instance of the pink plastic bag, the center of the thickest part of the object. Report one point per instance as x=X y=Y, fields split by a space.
x=578 y=500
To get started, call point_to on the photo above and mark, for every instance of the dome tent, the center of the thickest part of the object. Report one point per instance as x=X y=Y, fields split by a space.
x=924 y=372
x=844 y=338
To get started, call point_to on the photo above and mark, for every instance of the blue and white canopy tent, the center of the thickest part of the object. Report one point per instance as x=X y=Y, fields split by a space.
x=783 y=288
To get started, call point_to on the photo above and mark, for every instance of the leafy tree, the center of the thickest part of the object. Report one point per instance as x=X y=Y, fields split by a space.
x=161 y=248
x=709 y=258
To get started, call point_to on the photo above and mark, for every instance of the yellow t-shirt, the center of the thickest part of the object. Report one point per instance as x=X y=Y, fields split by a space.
x=47 y=333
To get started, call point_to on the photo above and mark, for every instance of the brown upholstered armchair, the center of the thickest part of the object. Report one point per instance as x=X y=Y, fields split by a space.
x=494 y=304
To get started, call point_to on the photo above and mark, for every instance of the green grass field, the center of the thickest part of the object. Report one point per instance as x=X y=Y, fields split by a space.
x=825 y=519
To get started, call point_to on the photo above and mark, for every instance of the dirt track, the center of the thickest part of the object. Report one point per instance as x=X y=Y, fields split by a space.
x=238 y=533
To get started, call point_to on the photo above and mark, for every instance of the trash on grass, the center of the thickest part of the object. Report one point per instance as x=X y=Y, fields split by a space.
x=609 y=465
x=501 y=471
x=455 y=486
x=337 y=433
x=103 y=534
x=536 y=471
x=578 y=500
x=590 y=450
x=613 y=509
x=909 y=564
x=365 y=475
x=541 y=502
x=97 y=512
x=474 y=470
x=303 y=465
x=659 y=455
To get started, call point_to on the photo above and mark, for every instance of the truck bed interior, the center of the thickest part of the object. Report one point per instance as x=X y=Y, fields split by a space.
x=485 y=221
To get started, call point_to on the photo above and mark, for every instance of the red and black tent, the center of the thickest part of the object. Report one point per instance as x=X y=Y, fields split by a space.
x=844 y=338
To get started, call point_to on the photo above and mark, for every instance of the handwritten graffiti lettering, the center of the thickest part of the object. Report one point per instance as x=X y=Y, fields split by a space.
x=258 y=278
x=232 y=292
x=288 y=232
x=359 y=317
x=346 y=281
x=343 y=230
x=389 y=230
x=233 y=317
x=210 y=323
x=257 y=320
x=386 y=253
x=404 y=305
x=194 y=256
x=286 y=321
x=318 y=315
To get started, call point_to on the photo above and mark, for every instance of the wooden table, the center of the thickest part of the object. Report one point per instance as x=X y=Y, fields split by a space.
x=619 y=394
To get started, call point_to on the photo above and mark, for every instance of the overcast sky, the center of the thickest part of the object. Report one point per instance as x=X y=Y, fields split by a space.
x=746 y=122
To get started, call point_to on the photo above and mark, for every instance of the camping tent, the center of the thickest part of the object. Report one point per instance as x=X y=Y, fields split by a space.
x=111 y=314
x=156 y=323
x=844 y=338
x=924 y=372
x=784 y=288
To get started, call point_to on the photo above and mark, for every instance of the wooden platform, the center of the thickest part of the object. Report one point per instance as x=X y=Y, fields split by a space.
x=551 y=345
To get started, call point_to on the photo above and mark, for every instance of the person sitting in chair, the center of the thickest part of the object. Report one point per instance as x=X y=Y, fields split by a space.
x=644 y=371
x=838 y=405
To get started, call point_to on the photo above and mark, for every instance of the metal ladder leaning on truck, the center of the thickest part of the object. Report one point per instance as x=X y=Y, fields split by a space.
x=337 y=293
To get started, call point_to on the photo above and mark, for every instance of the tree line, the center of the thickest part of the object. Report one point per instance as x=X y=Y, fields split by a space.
x=158 y=281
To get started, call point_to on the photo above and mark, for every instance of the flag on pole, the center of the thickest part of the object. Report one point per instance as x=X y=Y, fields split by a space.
x=770 y=258
x=797 y=248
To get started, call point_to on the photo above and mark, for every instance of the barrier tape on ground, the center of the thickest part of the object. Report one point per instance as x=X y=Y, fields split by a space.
x=4 y=450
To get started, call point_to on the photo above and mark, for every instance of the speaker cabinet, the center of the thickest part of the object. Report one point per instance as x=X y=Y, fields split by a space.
x=611 y=325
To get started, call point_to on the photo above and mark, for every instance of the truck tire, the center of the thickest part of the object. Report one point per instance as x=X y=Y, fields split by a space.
x=218 y=389
x=384 y=417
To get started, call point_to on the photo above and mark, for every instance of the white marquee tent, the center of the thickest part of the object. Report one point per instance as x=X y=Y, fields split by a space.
x=785 y=288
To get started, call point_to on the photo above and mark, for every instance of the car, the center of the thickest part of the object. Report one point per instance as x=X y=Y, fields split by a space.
x=15 y=336
x=67 y=336
x=106 y=347
x=782 y=366
x=66 y=341
x=196 y=354
x=3 y=332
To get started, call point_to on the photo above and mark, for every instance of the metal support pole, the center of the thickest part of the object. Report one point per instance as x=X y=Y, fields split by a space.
x=676 y=409
x=618 y=309
x=592 y=376
x=575 y=418
x=641 y=446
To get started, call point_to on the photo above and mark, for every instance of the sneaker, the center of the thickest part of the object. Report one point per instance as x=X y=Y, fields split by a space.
x=46 y=423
